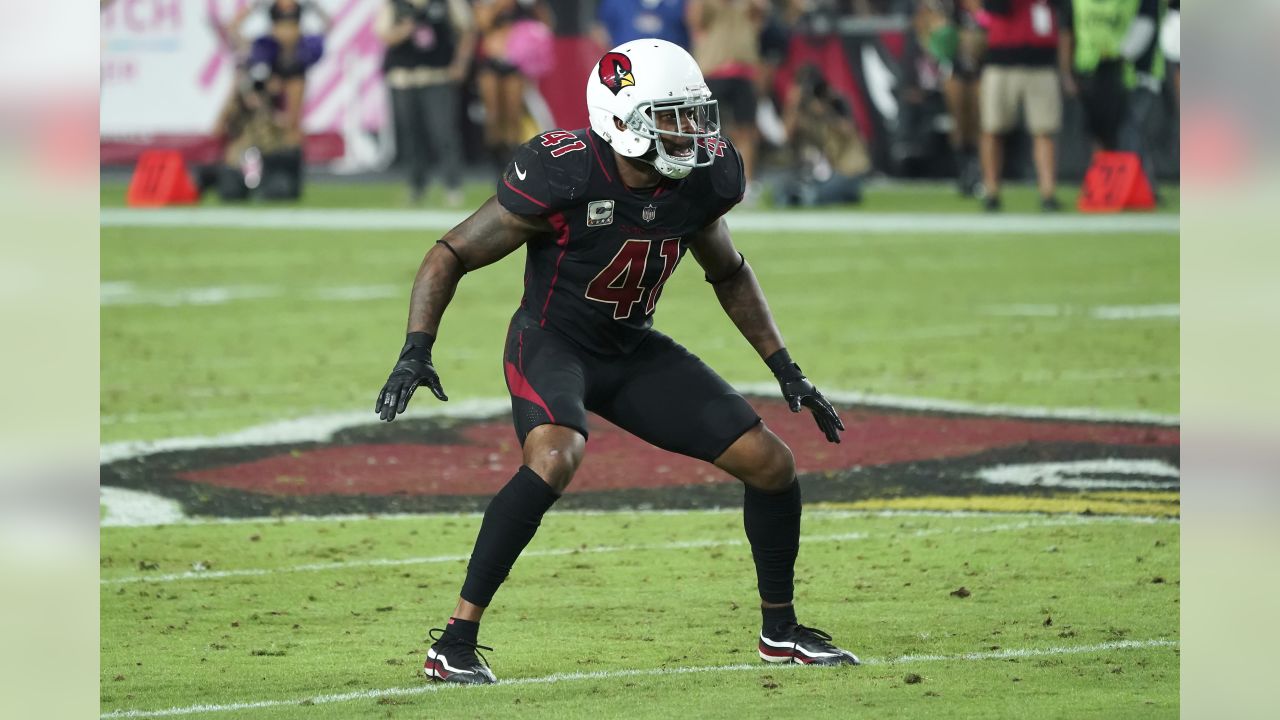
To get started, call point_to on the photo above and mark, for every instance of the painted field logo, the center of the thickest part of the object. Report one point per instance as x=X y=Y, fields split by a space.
x=890 y=458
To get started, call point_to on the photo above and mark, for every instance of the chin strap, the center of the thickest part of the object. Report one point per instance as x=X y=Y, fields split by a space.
x=669 y=169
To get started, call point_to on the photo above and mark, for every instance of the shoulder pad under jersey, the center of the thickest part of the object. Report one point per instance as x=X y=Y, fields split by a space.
x=546 y=174
x=727 y=179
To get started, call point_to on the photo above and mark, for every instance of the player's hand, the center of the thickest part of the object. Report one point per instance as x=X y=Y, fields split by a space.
x=414 y=368
x=800 y=393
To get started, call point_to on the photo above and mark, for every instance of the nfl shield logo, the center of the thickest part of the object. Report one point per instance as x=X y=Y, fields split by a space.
x=649 y=212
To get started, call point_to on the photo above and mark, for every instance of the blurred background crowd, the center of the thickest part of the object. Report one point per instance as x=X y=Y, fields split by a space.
x=819 y=96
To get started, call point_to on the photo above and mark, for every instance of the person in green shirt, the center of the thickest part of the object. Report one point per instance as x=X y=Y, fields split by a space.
x=1109 y=59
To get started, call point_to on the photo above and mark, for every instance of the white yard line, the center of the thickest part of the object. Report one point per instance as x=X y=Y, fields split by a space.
x=1157 y=311
x=319 y=428
x=124 y=293
x=902 y=402
x=646 y=672
x=1047 y=522
x=792 y=222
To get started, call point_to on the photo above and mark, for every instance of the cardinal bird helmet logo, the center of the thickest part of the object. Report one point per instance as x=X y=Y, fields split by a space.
x=615 y=72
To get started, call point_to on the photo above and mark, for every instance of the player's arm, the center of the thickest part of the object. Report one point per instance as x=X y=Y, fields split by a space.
x=743 y=301
x=736 y=288
x=490 y=234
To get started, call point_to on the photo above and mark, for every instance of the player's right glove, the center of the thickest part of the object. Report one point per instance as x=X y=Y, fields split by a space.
x=413 y=369
x=799 y=392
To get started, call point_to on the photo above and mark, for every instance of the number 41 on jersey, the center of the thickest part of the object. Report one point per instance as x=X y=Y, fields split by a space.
x=620 y=283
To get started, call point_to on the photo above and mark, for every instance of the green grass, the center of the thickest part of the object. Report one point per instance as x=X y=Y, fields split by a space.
x=902 y=313
x=1036 y=583
x=899 y=313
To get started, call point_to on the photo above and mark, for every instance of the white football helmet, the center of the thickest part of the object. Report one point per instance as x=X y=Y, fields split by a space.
x=656 y=89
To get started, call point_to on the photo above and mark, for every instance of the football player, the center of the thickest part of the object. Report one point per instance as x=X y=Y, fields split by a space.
x=604 y=215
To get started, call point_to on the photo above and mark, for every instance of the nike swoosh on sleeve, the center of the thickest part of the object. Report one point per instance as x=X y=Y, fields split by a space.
x=520 y=173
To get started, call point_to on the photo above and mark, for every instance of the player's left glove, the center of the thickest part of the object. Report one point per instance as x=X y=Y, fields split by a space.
x=413 y=369
x=799 y=392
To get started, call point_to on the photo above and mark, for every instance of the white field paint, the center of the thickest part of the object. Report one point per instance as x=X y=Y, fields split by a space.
x=424 y=688
x=119 y=293
x=904 y=402
x=320 y=428
x=976 y=225
x=1099 y=474
x=1158 y=311
x=1170 y=311
x=1043 y=522
x=134 y=507
x=315 y=428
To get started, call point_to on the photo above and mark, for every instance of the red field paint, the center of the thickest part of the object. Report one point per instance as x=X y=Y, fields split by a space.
x=482 y=455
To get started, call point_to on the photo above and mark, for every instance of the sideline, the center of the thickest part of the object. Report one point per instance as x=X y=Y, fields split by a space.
x=742 y=221
x=651 y=672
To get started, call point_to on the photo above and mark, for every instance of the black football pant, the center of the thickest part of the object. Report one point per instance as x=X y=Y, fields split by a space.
x=660 y=392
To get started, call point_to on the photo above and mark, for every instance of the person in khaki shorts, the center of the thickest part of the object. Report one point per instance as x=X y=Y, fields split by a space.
x=1021 y=78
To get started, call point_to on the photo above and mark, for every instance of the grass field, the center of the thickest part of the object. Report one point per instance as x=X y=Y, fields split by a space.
x=883 y=584
x=211 y=330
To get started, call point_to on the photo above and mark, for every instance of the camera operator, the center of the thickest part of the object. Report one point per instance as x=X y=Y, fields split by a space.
x=253 y=132
x=290 y=54
x=829 y=158
x=429 y=43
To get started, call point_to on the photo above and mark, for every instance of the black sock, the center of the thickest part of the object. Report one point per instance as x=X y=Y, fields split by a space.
x=778 y=616
x=773 y=529
x=509 y=523
x=463 y=629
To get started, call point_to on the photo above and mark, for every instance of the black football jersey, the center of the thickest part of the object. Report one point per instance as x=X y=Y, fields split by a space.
x=597 y=279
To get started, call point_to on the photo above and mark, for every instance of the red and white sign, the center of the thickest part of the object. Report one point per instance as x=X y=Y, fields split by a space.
x=167 y=71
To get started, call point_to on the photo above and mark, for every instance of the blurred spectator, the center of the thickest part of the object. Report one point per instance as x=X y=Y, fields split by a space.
x=726 y=44
x=829 y=158
x=429 y=45
x=508 y=38
x=1108 y=49
x=1020 y=74
x=254 y=134
x=775 y=43
x=960 y=87
x=918 y=144
x=1171 y=45
x=621 y=21
x=290 y=54
x=1109 y=56
x=261 y=123
x=230 y=33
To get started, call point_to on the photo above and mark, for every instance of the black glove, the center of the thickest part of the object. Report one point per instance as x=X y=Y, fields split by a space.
x=799 y=392
x=413 y=369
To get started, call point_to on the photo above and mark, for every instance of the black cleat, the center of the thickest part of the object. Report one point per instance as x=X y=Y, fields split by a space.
x=454 y=660
x=992 y=204
x=1050 y=204
x=802 y=646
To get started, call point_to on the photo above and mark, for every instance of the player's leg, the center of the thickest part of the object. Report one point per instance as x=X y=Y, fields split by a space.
x=671 y=399
x=546 y=381
x=771 y=511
